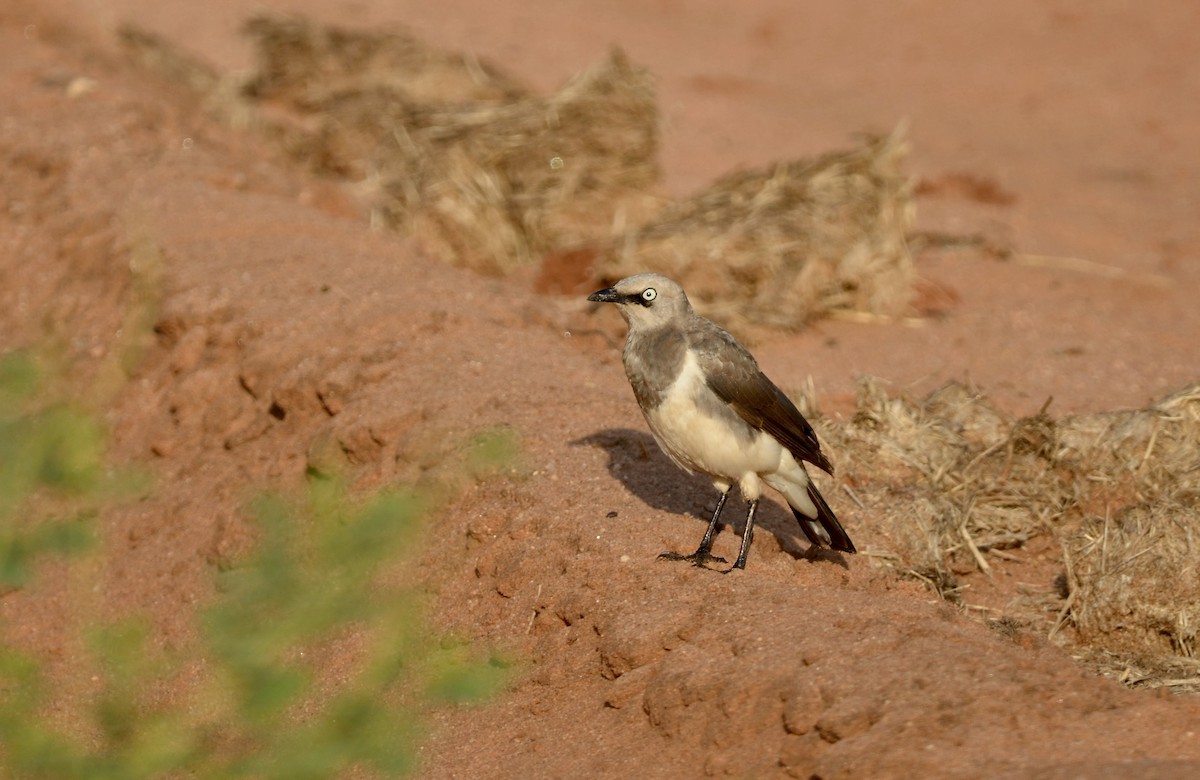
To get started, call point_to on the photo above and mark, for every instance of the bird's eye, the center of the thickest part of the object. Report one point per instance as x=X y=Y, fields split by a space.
x=649 y=294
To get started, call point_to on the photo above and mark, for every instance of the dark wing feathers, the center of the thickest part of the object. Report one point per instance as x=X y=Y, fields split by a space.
x=736 y=379
x=825 y=525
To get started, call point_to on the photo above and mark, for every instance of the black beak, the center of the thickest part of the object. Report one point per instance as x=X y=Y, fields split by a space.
x=607 y=295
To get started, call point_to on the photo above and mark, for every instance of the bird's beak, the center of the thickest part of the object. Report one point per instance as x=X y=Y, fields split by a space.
x=607 y=295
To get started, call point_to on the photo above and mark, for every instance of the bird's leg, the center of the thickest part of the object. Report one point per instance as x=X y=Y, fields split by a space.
x=747 y=535
x=704 y=554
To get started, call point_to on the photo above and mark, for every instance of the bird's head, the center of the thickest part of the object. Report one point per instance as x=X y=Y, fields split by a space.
x=645 y=300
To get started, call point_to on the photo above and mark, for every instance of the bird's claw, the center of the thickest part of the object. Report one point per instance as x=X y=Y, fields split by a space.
x=699 y=558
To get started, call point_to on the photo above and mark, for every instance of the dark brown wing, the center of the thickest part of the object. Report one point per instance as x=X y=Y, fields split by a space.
x=735 y=377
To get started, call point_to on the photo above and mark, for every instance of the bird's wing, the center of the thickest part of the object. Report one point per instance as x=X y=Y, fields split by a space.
x=734 y=376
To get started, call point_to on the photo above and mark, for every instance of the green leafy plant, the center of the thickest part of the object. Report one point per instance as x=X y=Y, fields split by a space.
x=313 y=661
x=55 y=449
x=319 y=584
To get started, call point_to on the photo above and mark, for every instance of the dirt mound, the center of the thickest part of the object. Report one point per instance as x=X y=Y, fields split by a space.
x=786 y=671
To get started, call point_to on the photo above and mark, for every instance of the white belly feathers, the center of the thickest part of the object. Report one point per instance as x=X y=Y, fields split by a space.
x=701 y=433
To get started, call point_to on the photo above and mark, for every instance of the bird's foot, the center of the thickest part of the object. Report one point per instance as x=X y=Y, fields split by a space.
x=699 y=558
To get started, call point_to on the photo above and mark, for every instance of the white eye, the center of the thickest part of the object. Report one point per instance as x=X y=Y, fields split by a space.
x=649 y=294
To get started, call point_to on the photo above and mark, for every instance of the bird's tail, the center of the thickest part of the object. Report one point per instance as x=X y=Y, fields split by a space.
x=824 y=530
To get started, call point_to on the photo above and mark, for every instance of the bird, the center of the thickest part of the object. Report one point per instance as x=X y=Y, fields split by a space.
x=712 y=410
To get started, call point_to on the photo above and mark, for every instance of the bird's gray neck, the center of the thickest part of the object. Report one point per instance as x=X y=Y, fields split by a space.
x=653 y=360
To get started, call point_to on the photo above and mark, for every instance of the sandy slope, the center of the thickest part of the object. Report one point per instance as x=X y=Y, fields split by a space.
x=284 y=326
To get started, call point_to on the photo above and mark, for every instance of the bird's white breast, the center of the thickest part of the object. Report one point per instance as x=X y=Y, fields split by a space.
x=701 y=433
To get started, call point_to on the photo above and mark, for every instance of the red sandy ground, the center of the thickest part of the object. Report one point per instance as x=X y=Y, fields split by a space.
x=1069 y=130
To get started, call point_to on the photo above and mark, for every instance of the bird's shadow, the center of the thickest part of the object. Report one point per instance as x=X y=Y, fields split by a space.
x=635 y=459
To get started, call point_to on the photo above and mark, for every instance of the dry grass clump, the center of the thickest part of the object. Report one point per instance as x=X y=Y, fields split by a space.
x=308 y=65
x=967 y=478
x=454 y=152
x=1134 y=567
x=1152 y=448
x=498 y=187
x=1135 y=578
x=955 y=482
x=451 y=150
x=1180 y=675
x=445 y=147
x=155 y=54
x=787 y=244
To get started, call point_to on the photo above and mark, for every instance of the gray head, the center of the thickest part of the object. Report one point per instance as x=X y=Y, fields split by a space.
x=646 y=300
